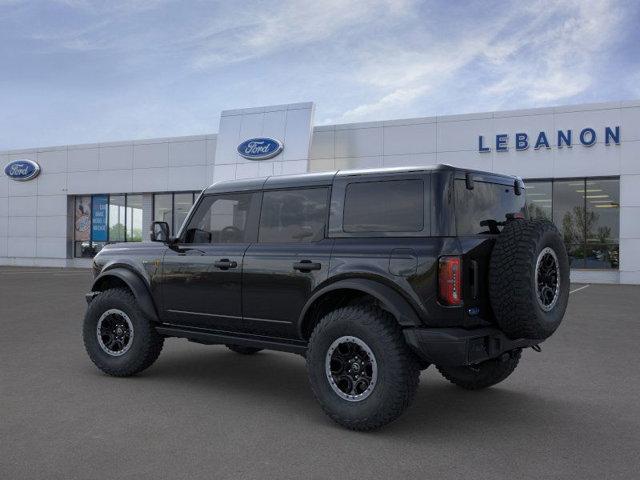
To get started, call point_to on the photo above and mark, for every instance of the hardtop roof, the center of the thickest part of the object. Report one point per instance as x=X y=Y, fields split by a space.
x=326 y=178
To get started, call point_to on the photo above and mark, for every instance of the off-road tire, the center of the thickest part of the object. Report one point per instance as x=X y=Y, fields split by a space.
x=243 y=350
x=146 y=344
x=398 y=368
x=482 y=375
x=512 y=279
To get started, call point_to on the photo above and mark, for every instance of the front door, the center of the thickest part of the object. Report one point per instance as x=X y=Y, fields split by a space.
x=202 y=272
x=289 y=260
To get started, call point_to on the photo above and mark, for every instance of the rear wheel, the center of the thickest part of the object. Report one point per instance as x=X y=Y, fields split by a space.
x=482 y=375
x=361 y=371
x=243 y=350
x=118 y=337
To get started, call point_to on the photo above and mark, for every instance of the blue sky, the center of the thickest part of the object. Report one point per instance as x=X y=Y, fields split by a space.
x=77 y=71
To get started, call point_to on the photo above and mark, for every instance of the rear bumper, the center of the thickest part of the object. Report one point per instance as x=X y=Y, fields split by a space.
x=457 y=346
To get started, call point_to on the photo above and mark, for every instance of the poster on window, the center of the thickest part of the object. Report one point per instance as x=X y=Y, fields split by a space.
x=99 y=208
x=83 y=219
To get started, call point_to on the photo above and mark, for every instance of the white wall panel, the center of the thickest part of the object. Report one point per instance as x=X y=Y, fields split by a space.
x=630 y=191
x=629 y=222
x=4 y=206
x=463 y=135
x=322 y=145
x=228 y=140
x=151 y=155
x=358 y=142
x=83 y=159
x=117 y=157
x=52 y=183
x=22 y=207
x=248 y=170
x=630 y=124
x=22 y=227
x=187 y=178
x=52 y=226
x=630 y=157
x=22 y=189
x=355 y=163
x=21 y=246
x=581 y=161
x=103 y=181
x=3 y=247
x=150 y=179
x=51 y=205
x=297 y=135
x=51 y=247
x=53 y=161
x=412 y=160
x=420 y=138
x=188 y=153
x=4 y=227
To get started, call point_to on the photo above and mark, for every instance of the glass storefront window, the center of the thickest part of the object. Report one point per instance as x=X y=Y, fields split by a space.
x=117 y=218
x=603 y=223
x=173 y=208
x=102 y=219
x=539 y=199
x=134 y=218
x=182 y=203
x=587 y=213
x=163 y=208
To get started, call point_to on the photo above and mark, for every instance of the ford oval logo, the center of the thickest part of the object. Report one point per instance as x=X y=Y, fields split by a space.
x=22 y=170
x=260 y=148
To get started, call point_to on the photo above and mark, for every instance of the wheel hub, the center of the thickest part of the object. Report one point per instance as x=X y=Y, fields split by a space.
x=547 y=279
x=351 y=368
x=114 y=332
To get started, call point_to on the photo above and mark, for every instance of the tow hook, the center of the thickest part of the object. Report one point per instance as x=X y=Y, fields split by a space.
x=536 y=348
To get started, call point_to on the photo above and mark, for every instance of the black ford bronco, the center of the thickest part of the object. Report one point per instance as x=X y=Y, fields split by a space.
x=371 y=275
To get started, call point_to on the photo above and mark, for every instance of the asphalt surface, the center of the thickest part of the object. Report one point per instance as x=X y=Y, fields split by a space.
x=572 y=411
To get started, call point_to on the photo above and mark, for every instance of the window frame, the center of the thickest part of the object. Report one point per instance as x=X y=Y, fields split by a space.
x=336 y=218
x=325 y=226
x=253 y=218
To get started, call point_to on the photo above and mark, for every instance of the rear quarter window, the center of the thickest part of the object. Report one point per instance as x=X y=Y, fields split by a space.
x=384 y=206
x=479 y=211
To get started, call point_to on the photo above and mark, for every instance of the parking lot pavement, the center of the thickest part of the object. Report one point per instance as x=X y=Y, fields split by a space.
x=572 y=411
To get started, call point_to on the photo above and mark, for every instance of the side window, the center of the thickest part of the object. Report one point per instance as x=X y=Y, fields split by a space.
x=293 y=215
x=385 y=206
x=224 y=218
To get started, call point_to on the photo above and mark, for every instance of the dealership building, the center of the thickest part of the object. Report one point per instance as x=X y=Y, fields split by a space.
x=581 y=165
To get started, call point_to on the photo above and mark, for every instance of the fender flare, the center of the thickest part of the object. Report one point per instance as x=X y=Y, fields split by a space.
x=391 y=300
x=137 y=286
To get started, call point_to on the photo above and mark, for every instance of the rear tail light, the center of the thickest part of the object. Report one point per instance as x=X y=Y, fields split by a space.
x=449 y=280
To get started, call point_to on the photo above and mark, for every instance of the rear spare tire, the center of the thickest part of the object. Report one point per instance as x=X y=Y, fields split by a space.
x=529 y=279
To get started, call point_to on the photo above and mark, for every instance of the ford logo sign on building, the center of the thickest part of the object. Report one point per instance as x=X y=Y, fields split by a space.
x=22 y=170
x=260 y=148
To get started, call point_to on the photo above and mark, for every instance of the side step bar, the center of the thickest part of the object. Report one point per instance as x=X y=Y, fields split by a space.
x=216 y=337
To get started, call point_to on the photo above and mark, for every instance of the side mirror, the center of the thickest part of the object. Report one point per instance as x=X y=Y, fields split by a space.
x=159 y=232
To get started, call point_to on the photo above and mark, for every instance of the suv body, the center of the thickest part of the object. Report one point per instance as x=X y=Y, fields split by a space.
x=259 y=263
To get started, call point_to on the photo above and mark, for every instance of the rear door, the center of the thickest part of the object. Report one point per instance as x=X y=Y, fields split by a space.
x=289 y=260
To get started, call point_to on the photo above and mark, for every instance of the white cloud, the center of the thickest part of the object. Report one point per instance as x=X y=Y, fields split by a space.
x=543 y=52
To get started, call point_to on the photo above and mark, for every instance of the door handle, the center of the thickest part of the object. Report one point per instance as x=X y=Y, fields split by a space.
x=306 y=266
x=225 y=264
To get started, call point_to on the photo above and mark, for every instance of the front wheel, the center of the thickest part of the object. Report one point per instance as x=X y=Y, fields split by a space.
x=361 y=371
x=118 y=337
x=482 y=375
